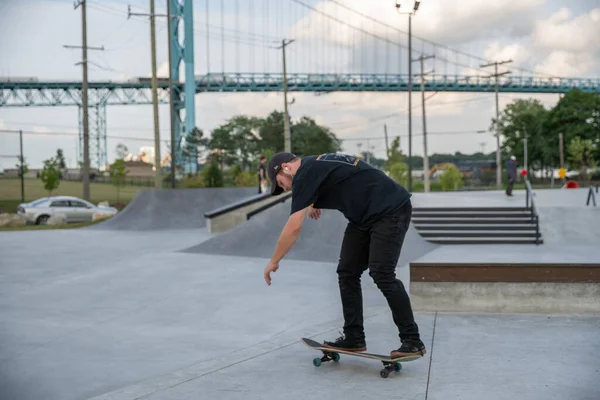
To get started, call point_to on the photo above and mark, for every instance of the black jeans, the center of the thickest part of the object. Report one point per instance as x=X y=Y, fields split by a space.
x=376 y=248
x=509 y=186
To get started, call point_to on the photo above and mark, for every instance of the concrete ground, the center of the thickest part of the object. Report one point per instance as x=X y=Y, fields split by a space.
x=127 y=315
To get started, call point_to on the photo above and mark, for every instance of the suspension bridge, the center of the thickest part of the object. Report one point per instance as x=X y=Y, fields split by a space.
x=336 y=48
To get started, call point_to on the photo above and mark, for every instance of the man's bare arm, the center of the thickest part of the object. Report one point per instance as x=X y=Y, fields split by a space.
x=289 y=235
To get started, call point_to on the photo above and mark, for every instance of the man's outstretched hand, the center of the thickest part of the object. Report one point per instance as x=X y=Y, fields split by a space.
x=271 y=267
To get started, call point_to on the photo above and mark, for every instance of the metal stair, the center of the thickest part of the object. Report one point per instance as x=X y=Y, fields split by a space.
x=477 y=225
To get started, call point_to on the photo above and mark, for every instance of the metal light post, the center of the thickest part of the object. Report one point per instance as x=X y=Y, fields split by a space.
x=410 y=14
x=525 y=157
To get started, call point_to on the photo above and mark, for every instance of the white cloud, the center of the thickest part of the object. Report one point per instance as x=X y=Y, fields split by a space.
x=443 y=21
x=571 y=45
x=163 y=70
x=563 y=63
x=580 y=34
x=515 y=52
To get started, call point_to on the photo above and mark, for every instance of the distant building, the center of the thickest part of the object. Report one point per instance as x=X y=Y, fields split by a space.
x=139 y=169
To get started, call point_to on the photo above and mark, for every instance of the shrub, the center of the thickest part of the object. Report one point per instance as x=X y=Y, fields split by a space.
x=451 y=179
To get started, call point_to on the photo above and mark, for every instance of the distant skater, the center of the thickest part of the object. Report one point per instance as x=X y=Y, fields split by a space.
x=511 y=171
x=378 y=211
x=262 y=176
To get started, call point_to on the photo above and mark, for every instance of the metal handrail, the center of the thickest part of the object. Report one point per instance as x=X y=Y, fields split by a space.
x=534 y=212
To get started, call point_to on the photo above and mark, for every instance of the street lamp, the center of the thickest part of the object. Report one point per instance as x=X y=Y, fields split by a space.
x=410 y=14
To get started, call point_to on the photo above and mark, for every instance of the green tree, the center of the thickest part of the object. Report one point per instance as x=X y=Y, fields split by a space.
x=118 y=172
x=194 y=147
x=581 y=155
x=25 y=165
x=60 y=159
x=271 y=132
x=525 y=119
x=212 y=175
x=577 y=114
x=451 y=179
x=237 y=141
x=310 y=138
x=398 y=171
x=394 y=155
x=50 y=175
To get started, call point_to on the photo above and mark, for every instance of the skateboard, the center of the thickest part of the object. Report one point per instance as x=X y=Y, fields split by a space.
x=329 y=354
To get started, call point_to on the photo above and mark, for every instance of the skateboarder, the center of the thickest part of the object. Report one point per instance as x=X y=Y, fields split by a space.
x=511 y=171
x=378 y=211
x=262 y=175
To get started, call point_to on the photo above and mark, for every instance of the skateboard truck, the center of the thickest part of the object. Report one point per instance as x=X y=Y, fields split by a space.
x=388 y=366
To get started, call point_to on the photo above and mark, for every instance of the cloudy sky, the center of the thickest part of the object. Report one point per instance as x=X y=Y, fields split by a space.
x=542 y=37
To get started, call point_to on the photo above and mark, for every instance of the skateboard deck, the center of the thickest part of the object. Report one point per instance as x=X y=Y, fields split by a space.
x=389 y=364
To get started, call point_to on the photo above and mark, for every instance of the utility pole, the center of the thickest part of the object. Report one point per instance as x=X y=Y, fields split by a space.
x=22 y=169
x=410 y=14
x=171 y=96
x=84 y=98
x=152 y=15
x=410 y=78
x=422 y=59
x=525 y=157
x=561 y=151
x=498 y=160
x=287 y=137
x=387 y=147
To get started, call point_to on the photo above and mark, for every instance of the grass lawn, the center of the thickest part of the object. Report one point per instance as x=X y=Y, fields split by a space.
x=10 y=192
x=46 y=227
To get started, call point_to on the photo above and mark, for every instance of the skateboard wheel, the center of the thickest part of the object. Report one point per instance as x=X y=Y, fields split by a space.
x=317 y=362
x=384 y=373
x=397 y=366
x=335 y=357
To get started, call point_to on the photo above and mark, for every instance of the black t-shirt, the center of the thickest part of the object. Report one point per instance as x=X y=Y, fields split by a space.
x=261 y=167
x=345 y=183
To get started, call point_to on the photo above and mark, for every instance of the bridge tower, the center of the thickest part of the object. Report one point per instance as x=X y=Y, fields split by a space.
x=97 y=121
x=182 y=51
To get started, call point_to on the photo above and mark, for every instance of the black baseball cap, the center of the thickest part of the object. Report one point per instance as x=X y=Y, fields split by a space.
x=275 y=166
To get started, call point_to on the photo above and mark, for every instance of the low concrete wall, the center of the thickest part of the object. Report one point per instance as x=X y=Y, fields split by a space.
x=227 y=220
x=527 y=297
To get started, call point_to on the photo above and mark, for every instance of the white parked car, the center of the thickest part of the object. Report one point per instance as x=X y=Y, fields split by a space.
x=72 y=208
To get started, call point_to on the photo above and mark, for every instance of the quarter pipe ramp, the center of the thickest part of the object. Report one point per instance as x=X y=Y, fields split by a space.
x=319 y=240
x=154 y=209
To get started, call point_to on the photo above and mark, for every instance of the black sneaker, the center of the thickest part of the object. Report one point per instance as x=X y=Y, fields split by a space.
x=348 y=344
x=409 y=348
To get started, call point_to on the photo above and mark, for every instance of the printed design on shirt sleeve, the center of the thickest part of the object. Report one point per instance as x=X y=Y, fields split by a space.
x=340 y=158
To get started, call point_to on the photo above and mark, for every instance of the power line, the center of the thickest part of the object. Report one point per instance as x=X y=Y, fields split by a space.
x=347 y=24
x=481 y=59
x=54 y=133
x=470 y=132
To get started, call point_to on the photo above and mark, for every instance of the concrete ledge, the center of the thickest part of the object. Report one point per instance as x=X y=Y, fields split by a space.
x=505 y=272
x=506 y=297
x=227 y=217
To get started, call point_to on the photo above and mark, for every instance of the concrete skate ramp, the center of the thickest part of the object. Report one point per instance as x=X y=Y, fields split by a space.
x=319 y=240
x=172 y=208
